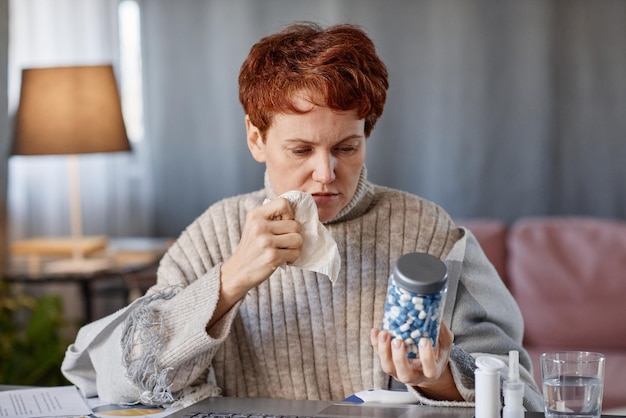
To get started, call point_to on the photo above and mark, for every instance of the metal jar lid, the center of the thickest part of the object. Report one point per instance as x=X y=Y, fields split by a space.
x=420 y=273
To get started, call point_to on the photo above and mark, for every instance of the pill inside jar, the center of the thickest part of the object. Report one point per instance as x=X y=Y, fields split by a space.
x=415 y=299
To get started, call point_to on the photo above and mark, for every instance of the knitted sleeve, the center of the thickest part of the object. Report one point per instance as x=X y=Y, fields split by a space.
x=157 y=349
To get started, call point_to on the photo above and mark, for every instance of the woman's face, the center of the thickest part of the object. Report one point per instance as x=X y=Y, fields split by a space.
x=320 y=152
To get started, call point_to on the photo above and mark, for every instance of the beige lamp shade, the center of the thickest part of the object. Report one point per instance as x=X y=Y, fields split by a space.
x=69 y=110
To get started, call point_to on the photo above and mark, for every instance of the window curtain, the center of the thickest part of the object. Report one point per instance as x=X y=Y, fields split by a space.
x=114 y=186
x=4 y=127
x=497 y=108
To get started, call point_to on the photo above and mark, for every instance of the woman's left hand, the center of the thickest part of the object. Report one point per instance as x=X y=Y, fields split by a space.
x=430 y=373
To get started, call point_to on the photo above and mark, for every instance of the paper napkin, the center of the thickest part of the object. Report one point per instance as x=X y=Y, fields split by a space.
x=319 y=249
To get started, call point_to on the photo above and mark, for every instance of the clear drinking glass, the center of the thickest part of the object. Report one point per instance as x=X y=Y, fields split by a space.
x=573 y=382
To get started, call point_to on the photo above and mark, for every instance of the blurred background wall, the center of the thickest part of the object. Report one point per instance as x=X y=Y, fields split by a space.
x=4 y=124
x=497 y=108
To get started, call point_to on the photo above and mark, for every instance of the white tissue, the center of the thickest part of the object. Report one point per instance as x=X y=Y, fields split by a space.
x=319 y=249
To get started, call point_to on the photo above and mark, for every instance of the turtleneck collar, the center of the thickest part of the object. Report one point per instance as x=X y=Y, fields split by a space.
x=359 y=204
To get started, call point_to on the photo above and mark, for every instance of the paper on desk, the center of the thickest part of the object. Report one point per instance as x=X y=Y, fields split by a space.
x=319 y=249
x=59 y=401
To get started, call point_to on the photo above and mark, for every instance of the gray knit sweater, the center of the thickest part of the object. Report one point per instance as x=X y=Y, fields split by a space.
x=297 y=335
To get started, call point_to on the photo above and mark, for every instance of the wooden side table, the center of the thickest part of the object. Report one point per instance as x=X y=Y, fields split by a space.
x=126 y=258
x=37 y=250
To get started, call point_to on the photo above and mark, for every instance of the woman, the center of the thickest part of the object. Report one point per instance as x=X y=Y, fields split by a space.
x=224 y=319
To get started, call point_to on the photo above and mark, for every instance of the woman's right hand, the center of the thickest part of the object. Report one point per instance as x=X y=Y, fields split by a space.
x=270 y=238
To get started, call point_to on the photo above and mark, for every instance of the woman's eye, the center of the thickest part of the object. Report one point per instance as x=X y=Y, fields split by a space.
x=346 y=149
x=299 y=151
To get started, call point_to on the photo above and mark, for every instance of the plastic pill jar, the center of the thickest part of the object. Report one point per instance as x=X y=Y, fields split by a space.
x=415 y=298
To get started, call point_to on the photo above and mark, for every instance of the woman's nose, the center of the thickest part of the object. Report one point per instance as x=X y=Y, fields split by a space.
x=324 y=169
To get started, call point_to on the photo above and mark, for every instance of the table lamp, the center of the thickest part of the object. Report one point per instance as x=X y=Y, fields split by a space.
x=70 y=110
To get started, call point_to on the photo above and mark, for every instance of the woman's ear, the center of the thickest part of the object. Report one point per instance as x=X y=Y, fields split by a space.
x=255 y=141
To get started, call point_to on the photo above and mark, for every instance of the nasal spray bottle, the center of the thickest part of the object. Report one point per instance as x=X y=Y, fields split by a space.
x=513 y=389
x=487 y=386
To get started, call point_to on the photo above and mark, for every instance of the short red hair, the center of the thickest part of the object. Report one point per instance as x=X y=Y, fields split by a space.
x=337 y=67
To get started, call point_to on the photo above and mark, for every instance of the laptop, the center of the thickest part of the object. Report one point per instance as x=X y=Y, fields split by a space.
x=257 y=407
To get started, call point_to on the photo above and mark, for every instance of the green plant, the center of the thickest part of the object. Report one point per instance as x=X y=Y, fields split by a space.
x=31 y=341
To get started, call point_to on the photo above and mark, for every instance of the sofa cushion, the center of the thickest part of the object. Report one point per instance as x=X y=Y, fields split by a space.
x=491 y=235
x=568 y=276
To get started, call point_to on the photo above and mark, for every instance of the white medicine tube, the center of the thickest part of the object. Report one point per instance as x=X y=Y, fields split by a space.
x=487 y=386
x=513 y=389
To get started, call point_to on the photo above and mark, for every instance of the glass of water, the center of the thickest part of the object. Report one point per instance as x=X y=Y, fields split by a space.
x=573 y=382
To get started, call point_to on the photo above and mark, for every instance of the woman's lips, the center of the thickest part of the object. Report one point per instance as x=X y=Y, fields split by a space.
x=323 y=198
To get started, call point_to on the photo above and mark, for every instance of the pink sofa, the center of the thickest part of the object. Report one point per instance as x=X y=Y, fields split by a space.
x=568 y=275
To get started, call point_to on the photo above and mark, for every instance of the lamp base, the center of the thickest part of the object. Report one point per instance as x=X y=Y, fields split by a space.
x=77 y=265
